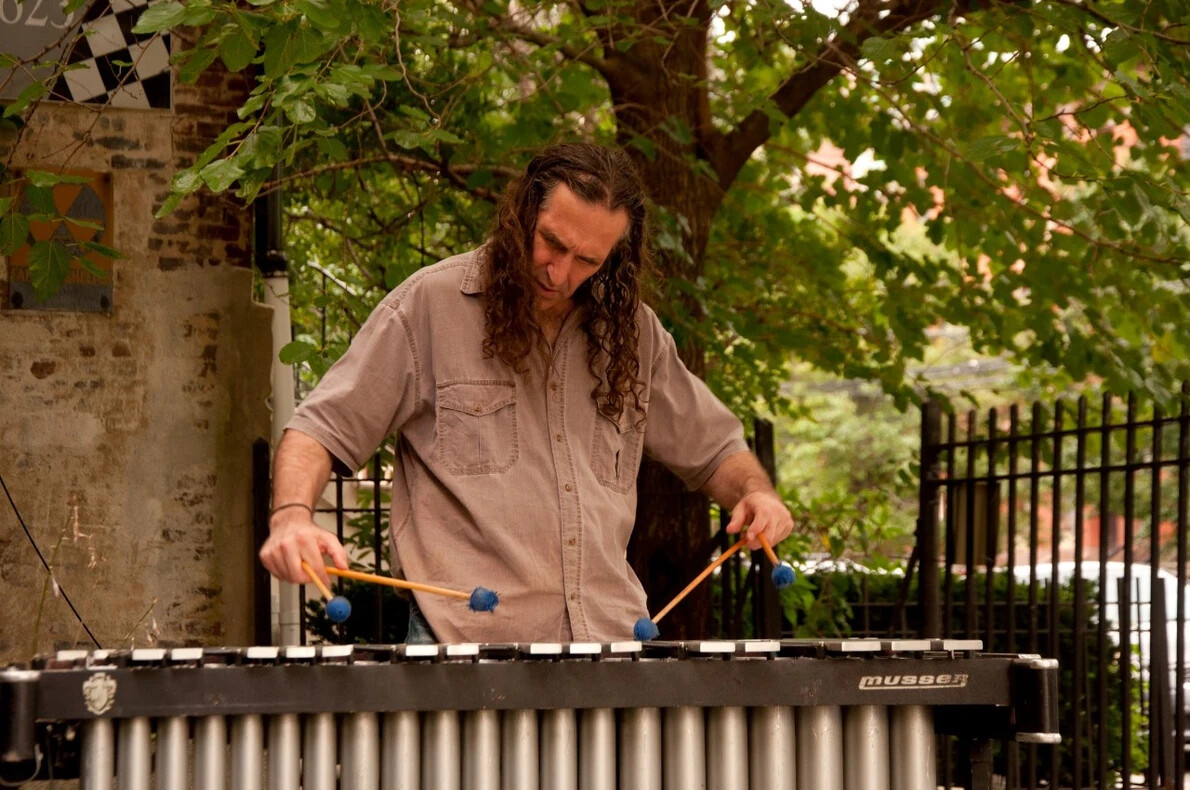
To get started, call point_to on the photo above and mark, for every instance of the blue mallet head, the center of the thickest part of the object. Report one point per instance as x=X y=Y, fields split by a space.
x=483 y=600
x=645 y=629
x=783 y=575
x=338 y=609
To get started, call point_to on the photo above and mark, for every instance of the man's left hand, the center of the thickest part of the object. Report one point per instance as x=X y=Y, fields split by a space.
x=761 y=511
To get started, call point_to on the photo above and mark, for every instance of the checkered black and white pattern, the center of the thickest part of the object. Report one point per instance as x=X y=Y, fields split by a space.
x=120 y=68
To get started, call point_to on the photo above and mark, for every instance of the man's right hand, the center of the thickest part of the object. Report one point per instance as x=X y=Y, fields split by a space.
x=295 y=537
x=300 y=472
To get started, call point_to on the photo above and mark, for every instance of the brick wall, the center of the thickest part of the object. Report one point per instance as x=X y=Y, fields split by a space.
x=125 y=439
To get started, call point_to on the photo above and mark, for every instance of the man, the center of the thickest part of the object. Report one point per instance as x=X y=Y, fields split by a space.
x=524 y=380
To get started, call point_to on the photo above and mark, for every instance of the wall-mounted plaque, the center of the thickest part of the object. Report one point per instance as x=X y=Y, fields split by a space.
x=111 y=64
x=87 y=288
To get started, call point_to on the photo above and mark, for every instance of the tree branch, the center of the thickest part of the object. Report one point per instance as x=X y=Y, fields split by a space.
x=728 y=152
x=408 y=164
x=608 y=68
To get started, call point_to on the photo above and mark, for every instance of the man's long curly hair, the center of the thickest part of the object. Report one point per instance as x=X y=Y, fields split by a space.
x=603 y=177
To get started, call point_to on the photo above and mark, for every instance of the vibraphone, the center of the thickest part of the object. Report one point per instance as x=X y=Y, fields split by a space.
x=811 y=714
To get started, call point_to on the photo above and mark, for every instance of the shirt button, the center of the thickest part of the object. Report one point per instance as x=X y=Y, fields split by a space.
x=571 y=542
x=574 y=596
x=478 y=408
x=554 y=386
x=569 y=487
x=558 y=437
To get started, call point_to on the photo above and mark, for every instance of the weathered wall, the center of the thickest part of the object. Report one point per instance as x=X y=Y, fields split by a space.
x=125 y=439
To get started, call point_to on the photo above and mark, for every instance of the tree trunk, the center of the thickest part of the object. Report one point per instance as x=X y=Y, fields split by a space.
x=669 y=543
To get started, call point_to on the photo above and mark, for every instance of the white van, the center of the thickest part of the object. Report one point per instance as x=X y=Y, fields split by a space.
x=1140 y=605
x=1140 y=601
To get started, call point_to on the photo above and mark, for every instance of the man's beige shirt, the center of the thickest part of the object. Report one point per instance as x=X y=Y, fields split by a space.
x=505 y=480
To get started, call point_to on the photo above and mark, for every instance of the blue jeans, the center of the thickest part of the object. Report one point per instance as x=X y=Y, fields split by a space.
x=419 y=632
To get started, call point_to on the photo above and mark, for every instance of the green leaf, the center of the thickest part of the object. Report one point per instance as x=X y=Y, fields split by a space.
x=90 y=266
x=251 y=182
x=300 y=112
x=185 y=181
x=879 y=50
x=41 y=199
x=14 y=233
x=160 y=17
x=645 y=146
x=280 y=50
x=221 y=174
x=333 y=93
x=198 y=16
x=407 y=139
x=296 y=352
x=85 y=223
x=415 y=112
x=333 y=148
x=42 y=178
x=6 y=204
x=262 y=146
x=480 y=178
x=322 y=14
x=196 y=64
x=237 y=50
x=103 y=249
x=310 y=43
x=48 y=264
x=168 y=207
x=443 y=136
x=32 y=92
x=993 y=145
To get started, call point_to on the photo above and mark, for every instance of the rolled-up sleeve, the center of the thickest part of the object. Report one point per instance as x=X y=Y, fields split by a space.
x=688 y=429
x=367 y=394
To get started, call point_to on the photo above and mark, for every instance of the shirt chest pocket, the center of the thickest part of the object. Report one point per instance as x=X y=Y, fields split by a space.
x=616 y=450
x=477 y=427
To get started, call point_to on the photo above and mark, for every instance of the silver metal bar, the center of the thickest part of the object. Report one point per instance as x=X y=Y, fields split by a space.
x=440 y=755
x=772 y=748
x=727 y=749
x=518 y=754
x=559 y=749
x=318 y=752
x=173 y=753
x=865 y=742
x=359 y=752
x=247 y=752
x=210 y=753
x=640 y=749
x=684 y=763
x=912 y=744
x=99 y=755
x=134 y=761
x=481 y=750
x=284 y=751
x=819 y=747
x=597 y=749
x=400 y=764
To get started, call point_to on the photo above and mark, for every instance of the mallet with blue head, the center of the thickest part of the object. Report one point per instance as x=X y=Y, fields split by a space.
x=338 y=608
x=646 y=628
x=481 y=599
x=783 y=574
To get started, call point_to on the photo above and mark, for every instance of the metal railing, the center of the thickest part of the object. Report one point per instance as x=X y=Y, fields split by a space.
x=1063 y=532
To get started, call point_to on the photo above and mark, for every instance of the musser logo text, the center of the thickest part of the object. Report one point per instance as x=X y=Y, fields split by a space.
x=868 y=682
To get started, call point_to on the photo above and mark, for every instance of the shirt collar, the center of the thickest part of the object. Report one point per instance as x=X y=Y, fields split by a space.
x=475 y=281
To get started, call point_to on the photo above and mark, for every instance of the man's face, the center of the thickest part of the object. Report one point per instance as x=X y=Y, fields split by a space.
x=571 y=243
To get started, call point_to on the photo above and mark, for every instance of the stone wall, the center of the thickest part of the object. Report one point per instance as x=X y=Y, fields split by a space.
x=125 y=439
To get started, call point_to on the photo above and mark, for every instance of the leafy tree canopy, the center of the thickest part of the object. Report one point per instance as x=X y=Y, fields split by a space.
x=1035 y=142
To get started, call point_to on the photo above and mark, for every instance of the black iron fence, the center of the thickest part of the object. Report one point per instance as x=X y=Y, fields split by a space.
x=1062 y=531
